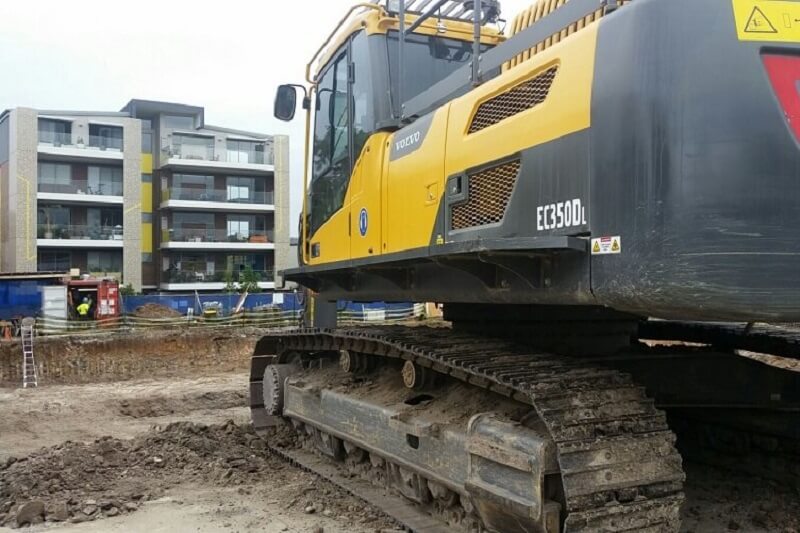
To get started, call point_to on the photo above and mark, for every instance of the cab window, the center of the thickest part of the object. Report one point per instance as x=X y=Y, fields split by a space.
x=331 y=155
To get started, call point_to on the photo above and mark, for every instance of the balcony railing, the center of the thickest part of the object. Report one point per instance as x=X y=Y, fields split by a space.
x=216 y=276
x=55 y=138
x=82 y=187
x=207 y=153
x=95 y=233
x=216 y=235
x=191 y=152
x=248 y=156
x=217 y=195
x=95 y=141
x=105 y=143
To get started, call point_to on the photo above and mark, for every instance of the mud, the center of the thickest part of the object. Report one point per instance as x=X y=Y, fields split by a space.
x=174 y=452
x=161 y=405
x=169 y=454
x=116 y=357
x=80 y=482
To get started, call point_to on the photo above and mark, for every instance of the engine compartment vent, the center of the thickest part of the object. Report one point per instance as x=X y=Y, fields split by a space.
x=540 y=10
x=519 y=98
x=489 y=192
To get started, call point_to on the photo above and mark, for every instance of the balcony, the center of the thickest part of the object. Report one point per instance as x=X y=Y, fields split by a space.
x=78 y=236
x=56 y=138
x=255 y=157
x=205 y=157
x=81 y=192
x=217 y=199
x=216 y=239
x=102 y=142
x=179 y=279
x=61 y=144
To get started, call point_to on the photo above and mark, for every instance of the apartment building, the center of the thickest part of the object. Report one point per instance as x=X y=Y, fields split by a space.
x=151 y=195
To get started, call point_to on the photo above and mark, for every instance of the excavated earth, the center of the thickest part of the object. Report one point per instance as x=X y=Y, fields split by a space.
x=173 y=451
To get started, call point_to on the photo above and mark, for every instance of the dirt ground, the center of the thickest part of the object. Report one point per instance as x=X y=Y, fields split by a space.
x=108 y=457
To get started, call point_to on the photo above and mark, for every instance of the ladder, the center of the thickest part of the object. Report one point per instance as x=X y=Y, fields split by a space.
x=28 y=364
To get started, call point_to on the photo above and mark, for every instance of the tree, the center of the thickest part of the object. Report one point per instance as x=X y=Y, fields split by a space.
x=248 y=280
x=230 y=286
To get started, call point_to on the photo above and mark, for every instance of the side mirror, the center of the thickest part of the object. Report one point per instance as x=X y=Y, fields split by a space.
x=285 y=102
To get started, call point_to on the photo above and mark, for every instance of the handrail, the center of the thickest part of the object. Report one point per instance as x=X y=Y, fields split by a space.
x=333 y=34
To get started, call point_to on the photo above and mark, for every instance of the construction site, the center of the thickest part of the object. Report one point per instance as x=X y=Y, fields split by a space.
x=545 y=280
x=135 y=433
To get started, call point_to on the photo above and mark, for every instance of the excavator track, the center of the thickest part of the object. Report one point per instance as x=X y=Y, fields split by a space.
x=769 y=339
x=618 y=463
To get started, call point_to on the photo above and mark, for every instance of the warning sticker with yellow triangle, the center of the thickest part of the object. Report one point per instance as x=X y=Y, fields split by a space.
x=767 y=20
x=607 y=245
x=759 y=23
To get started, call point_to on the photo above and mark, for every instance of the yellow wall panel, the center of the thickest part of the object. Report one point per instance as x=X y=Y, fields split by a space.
x=147 y=163
x=147 y=238
x=147 y=198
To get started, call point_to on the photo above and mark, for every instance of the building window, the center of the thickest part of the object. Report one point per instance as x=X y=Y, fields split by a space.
x=240 y=226
x=178 y=122
x=147 y=178
x=240 y=189
x=105 y=180
x=55 y=131
x=192 y=147
x=53 y=222
x=191 y=226
x=55 y=177
x=245 y=151
x=53 y=261
x=105 y=137
x=106 y=218
x=237 y=263
x=102 y=261
x=147 y=142
x=192 y=187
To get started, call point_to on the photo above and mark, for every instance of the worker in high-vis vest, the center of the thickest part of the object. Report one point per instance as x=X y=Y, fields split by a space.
x=83 y=309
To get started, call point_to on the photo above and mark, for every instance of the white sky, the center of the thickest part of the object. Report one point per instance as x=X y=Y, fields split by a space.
x=226 y=56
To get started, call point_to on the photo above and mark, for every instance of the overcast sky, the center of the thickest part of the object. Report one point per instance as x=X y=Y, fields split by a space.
x=225 y=56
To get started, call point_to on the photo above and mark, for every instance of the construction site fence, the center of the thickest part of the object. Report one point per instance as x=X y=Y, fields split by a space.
x=49 y=326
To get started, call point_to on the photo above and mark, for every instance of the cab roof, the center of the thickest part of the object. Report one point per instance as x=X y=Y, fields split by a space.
x=375 y=19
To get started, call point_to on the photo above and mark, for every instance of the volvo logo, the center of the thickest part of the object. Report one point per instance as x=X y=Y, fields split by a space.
x=408 y=141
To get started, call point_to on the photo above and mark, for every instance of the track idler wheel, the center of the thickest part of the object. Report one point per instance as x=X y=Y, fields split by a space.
x=356 y=363
x=416 y=376
x=274 y=382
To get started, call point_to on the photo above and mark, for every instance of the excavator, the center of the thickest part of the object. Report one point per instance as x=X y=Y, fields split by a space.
x=603 y=196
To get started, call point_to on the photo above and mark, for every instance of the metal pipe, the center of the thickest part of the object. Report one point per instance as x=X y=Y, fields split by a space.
x=425 y=16
x=477 y=15
x=400 y=57
x=335 y=31
x=307 y=153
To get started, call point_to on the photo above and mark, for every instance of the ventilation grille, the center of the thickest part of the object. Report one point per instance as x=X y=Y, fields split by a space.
x=524 y=96
x=489 y=193
x=538 y=11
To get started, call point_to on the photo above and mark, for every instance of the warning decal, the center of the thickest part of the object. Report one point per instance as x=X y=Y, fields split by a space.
x=759 y=23
x=767 y=20
x=607 y=245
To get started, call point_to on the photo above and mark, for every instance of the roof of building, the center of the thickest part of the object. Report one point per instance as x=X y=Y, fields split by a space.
x=138 y=108
x=238 y=132
x=71 y=113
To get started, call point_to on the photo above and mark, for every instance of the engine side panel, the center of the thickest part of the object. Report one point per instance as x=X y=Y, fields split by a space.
x=694 y=167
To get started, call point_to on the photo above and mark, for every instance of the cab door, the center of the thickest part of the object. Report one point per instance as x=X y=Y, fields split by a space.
x=366 y=185
x=329 y=229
